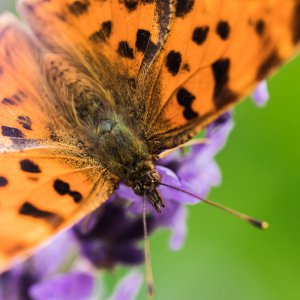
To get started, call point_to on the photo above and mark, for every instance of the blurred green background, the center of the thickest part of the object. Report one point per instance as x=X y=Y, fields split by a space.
x=223 y=258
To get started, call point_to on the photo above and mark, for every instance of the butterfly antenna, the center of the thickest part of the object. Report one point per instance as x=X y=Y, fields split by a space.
x=149 y=274
x=256 y=223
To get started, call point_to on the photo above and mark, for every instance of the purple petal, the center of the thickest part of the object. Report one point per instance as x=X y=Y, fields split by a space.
x=11 y=283
x=126 y=193
x=199 y=181
x=72 y=286
x=129 y=287
x=128 y=254
x=165 y=219
x=170 y=178
x=218 y=136
x=261 y=94
x=104 y=255
x=51 y=256
x=88 y=223
x=96 y=252
x=136 y=202
x=178 y=229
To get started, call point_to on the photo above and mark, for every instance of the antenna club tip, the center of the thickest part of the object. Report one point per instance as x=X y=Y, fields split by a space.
x=259 y=224
x=264 y=225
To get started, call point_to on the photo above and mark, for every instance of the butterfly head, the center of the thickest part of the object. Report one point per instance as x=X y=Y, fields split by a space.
x=144 y=182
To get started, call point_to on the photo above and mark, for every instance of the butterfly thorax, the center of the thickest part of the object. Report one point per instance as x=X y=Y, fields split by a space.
x=123 y=153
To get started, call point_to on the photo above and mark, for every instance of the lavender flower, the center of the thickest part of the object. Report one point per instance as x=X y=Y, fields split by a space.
x=115 y=229
x=261 y=94
x=36 y=278
x=114 y=237
x=128 y=288
x=75 y=286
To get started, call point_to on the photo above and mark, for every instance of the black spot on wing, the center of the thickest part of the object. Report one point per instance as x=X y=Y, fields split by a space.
x=8 y=101
x=124 y=50
x=131 y=5
x=28 y=209
x=79 y=7
x=142 y=40
x=106 y=28
x=29 y=166
x=77 y=197
x=272 y=61
x=185 y=99
x=103 y=34
x=25 y=121
x=31 y=210
x=3 y=181
x=63 y=188
x=173 y=62
x=190 y=114
x=200 y=34
x=222 y=94
x=260 y=27
x=183 y=7
x=12 y=132
x=225 y=97
x=296 y=24
x=223 y=30
x=220 y=70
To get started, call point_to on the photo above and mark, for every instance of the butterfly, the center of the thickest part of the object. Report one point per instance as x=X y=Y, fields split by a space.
x=92 y=91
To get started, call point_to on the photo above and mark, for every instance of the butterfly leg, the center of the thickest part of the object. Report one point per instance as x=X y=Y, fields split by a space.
x=156 y=200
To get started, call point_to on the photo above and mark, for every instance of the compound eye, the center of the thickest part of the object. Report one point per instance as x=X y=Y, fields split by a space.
x=138 y=189
x=154 y=175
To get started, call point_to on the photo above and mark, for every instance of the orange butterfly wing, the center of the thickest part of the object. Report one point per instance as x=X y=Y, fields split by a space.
x=119 y=30
x=20 y=79
x=44 y=186
x=215 y=55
